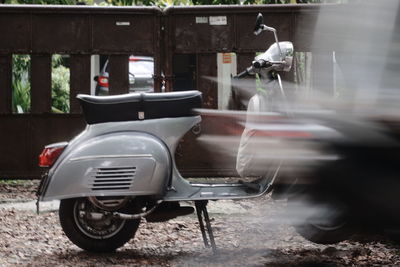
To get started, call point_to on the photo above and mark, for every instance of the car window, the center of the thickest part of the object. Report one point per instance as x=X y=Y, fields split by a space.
x=141 y=67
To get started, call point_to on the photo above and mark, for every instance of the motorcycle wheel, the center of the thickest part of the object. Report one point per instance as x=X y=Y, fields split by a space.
x=95 y=235
x=322 y=221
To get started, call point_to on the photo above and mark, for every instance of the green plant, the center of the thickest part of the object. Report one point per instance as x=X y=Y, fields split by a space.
x=60 y=85
x=49 y=2
x=21 y=97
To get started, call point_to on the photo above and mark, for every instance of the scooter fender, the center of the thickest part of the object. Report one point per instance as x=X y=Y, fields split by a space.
x=116 y=164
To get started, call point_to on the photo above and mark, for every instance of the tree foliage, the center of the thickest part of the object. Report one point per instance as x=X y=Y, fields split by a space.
x=59 y=85
x=163 y=3
x=160 y=3
x=48 y=2
x=21 y=100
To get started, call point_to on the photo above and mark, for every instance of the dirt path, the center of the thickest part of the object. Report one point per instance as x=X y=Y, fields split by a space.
x=248 y=233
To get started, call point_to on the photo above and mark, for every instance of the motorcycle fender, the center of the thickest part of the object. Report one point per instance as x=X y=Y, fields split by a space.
x=117 y=164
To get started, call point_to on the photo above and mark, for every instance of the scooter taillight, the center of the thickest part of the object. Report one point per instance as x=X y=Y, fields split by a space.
x=103 y=81
x=50 y=154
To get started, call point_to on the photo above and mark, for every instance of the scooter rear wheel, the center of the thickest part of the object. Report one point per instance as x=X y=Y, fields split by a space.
x=104 y=234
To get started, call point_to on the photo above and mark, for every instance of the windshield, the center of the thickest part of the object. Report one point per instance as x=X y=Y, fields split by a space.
x=141 y=67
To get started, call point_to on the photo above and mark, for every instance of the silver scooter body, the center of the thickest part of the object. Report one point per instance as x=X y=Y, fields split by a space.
x=118 y=159
x=132 y=159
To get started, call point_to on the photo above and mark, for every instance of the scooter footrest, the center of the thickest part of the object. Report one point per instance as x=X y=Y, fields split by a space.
x=251 y=185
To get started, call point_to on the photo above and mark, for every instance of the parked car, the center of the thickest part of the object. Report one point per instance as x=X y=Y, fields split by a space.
x=141 y=70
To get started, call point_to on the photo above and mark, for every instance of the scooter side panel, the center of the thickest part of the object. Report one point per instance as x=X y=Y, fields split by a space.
x=120 y=163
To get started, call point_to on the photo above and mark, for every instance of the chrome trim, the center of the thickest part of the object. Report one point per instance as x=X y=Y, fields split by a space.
x=136 y=216
x=59 y=144
x=112 y=156
x=217 y=185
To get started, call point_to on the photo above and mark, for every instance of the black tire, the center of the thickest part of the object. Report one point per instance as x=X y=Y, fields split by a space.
x=91 y=237
x=322 y=221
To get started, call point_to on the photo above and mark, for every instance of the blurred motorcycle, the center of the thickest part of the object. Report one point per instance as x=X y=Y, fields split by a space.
x=342 y=169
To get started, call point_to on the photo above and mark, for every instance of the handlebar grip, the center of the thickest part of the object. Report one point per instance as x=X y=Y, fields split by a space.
x=260 y=64
x=242 y=74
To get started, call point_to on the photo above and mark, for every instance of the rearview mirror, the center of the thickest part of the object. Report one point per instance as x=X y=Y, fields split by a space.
x=96 y=78
x=259 y=24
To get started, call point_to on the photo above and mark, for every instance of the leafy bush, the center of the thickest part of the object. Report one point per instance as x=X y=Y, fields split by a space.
x=60 y=85
x=21 y=94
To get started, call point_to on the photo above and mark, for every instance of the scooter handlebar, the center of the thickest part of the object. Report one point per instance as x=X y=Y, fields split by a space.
x=242 y=74
x=261 y=63
x=257 y=64
x=246 y=72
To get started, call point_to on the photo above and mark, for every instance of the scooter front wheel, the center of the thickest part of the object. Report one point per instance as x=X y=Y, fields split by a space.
x=323 y=220
x=93 y=230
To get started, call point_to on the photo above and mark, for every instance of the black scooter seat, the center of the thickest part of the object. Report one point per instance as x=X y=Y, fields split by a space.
x=139 y=106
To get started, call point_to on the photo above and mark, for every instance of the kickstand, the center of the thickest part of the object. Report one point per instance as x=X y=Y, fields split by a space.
x=201 y=208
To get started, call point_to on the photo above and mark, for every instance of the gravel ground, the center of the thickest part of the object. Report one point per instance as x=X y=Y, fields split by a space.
x=248 y=233
x=17 y=190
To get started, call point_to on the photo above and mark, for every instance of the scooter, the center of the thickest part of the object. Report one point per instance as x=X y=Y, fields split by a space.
x=121 y=168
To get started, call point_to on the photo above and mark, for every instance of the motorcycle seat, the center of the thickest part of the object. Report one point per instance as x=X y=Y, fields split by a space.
x=139 y=106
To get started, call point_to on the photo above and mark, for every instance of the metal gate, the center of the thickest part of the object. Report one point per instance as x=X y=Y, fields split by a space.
x=42 y=31
x=81 y=31
x=203 y=31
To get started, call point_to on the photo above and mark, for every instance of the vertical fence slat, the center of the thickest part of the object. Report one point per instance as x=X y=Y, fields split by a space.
x=244 y=60
x=5 y=84
x=322 y=72
x=79 y=79
x=118 y=70
x=240 y=97
x=206 y=68
x=167 y=52
x=158 y=56
x=40 y=83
